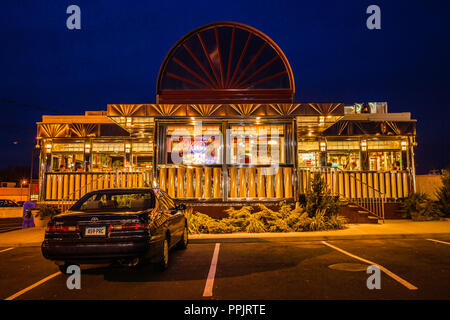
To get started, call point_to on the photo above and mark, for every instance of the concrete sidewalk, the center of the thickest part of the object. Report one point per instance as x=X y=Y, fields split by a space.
x=391 y=229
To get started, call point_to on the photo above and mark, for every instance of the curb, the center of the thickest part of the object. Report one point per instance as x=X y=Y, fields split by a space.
x=317 y=238
x=21 y=245
x=218 y=239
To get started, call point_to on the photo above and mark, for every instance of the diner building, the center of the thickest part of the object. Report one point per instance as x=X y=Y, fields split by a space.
x=225 y=130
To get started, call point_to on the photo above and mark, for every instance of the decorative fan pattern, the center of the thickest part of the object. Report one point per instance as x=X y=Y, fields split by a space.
x=245 y=109
x=225 y=56
x=53 y=130
x=206 y=110
x=284 y=109
x=126 y=110
x=166 y=109
x=83 y=130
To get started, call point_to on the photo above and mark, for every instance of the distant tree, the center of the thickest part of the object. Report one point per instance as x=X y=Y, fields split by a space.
x=443 y=195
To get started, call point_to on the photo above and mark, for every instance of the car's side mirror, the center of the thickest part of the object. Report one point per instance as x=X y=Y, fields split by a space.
x=180 y=206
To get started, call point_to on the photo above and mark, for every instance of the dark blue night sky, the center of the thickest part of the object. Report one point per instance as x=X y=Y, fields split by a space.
x=115 y=58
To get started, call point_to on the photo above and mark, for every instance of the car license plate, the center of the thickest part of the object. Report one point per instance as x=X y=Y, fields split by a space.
x=96 y=231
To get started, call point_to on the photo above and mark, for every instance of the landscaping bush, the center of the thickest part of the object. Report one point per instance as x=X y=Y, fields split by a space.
x=318 y=212
x=319 y=198
x=286 y=219
x=420 y=208
x=443 y=195
x=46 y=212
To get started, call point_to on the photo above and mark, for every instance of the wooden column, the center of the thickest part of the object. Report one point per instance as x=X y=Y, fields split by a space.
x=288 y=182
x=393 y=186
x=405 y=184
x=353 y=184
x=233 y=182
x=242 y=183
x=48 y=189
x=163 y=179
x=198 y=183
x=261 y=184
x=77 y=186
x=217 y=172
x=66 y=187
x=189 y=183
x=251 y=183
x=171 y=182
x=180 y=182
x=60 y=187
x=71 y=187
x=207 y=191
x=269 y=183
x=279 y=183
x=387 y=177
x=141 y=181
x=364 y=185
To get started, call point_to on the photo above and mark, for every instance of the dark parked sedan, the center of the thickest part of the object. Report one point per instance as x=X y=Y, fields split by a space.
x=129 y=226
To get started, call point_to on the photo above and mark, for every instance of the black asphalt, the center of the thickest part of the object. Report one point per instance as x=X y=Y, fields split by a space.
x=245 y=271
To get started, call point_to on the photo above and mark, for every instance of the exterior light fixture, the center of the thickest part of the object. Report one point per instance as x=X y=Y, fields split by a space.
x=323 y=146
x=321 y=119
x=404 y=145
x=48 y=147
x=87 y=148
x=127 y=148
x=363 y=145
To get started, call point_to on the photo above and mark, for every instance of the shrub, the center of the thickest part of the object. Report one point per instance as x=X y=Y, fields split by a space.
x=46 y=211
x=443 y=195
x=419 y=207
x=319 y=198
x=336 y=222
x=286 y=219
x=319 y=221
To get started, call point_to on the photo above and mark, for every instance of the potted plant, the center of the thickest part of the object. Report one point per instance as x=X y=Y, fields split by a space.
x=43 y=215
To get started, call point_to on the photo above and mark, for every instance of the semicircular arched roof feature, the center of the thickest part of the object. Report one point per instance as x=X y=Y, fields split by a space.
x=225 y=62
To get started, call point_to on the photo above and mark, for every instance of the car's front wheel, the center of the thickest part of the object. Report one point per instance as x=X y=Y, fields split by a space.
x=164 y=259
x=184 y=241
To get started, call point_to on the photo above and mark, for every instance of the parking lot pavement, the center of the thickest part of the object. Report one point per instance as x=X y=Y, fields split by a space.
x=264 y=270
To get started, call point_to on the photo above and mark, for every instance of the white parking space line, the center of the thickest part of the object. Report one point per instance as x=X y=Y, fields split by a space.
x=389 y=273
x=6 y=249
x=439 y=241
x=21 y=292
x=212 y=273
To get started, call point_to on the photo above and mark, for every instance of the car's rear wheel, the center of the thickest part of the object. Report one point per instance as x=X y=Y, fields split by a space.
x=164 y=259
x=184 y=241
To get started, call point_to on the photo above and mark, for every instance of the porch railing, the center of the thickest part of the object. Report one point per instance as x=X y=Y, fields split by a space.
x=369 y=190
x=217 y=182
x=72 y=186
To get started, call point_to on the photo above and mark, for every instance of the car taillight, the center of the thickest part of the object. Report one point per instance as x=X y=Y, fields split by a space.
x=127 y=227
x=62 y=229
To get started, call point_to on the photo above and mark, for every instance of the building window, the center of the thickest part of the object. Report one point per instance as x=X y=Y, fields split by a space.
x=62 y=162
x=192 y=145
x=308 y=159
x=344 y=160
x=385 y=161
x=256 y=144
x=102 y=162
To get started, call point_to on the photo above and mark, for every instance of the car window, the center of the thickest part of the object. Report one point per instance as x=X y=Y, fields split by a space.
x=116 y=201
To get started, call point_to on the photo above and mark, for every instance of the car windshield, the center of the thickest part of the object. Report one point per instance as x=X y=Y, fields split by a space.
x=129 y=200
